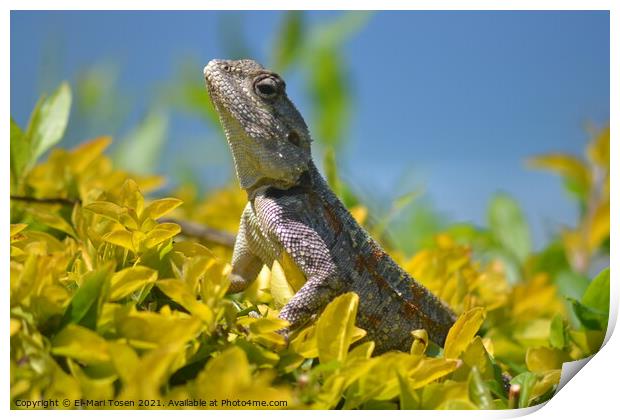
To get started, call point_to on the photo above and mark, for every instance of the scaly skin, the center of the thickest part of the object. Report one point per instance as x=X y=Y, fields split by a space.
x=292 y=209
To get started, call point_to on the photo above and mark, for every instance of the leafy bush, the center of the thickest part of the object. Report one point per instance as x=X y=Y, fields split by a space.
x=110 y=302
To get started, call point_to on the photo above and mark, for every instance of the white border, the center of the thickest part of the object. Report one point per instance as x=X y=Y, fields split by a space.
x=591 y=394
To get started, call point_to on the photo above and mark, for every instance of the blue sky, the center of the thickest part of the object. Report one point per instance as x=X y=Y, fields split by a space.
x=451 y=101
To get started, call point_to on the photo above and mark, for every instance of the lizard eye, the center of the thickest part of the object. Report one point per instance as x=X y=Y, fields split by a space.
x=267 y=87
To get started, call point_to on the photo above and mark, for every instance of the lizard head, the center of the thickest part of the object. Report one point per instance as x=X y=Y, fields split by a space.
x=268 y=137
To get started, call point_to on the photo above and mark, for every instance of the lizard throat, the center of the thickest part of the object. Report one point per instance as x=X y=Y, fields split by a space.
x=278 y=188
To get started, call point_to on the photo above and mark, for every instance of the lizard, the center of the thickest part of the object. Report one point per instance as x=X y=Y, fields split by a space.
x=292 y=209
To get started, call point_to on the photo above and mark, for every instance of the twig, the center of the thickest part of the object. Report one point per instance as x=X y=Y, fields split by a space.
x=200 y=231
x=55 y=200
x=191 y=229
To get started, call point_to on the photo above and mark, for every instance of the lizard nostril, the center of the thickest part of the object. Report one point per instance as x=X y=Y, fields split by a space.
x=293 y=138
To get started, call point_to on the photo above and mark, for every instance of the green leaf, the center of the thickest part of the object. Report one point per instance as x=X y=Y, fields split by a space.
x=289 y=40
x=48 y=122
x=330 y=92
x=335 y=328
x=593 y=309
x=509 y=226
x=463 y=331
x=526 y=382
x=589 y=317
x=337 y=31
x=479 y=393
x=571 y=284
x=20 y=152
x=85 y=304
x=141 y=149
x=597 y=294
x=557 y=333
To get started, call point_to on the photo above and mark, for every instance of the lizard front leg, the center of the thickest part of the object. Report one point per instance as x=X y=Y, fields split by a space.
x=291 y=222
x=245 y=263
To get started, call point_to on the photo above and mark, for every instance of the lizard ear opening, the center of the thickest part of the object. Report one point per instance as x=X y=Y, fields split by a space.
x=293 y=138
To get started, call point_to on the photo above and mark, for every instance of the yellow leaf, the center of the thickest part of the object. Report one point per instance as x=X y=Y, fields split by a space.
x=16 y=228
x=359 y=213
x=305 y=343
x=61 y=385
x=159 y=208
x=16 y=325
x=193 y=269
x=281 y=290
x=51 y=219
x=431 y=369
x=476 y=356
x=598 y=149
x=124 y=359
x=295 y=278
x=420 y=341
x=543 y=359
x=192 y=249
x=225 y=375
x=445 y=395
x=177 y=290
x=161 y=233
x=100 y=388
x=548 y=381
x=145 y=379
x=81 y=344
x=463 y=332
x=565 y=165
x=131 y=197
x=165 y=327
x=113 y=212
x=260 y=289
x=83 y=155
x=126 y=281
x=264 y=331
x=336 y=326
x=264 y=325
x=408 y=399
x=137 y=237
x=215 y=282
x=599 y=228
x=379 y=380
x=22 y=282
x=120 y=238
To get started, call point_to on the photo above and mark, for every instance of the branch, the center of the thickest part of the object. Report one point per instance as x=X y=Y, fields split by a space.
x=190 y=229
x=199 y=231
x=56 y=200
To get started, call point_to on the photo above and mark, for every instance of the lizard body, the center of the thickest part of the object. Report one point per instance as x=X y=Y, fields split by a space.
x=292 y=209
